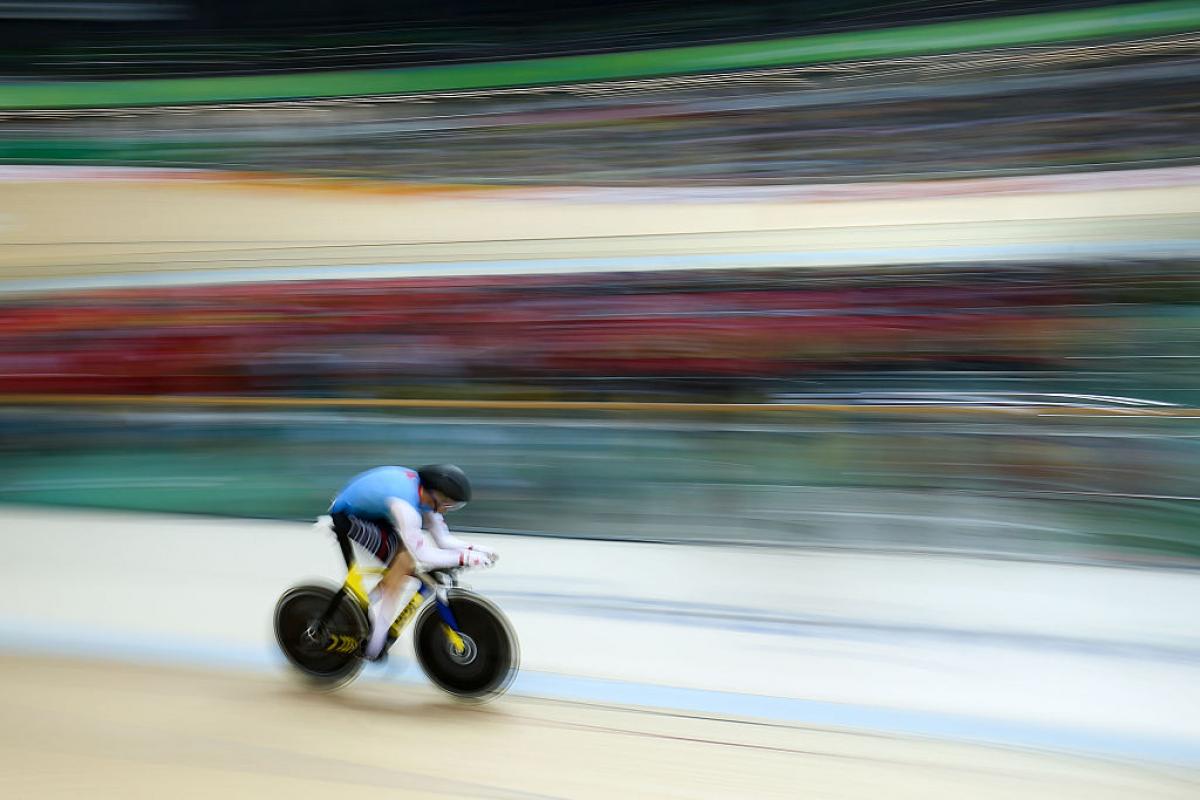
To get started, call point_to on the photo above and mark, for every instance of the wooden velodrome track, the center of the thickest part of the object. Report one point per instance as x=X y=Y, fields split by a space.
x=89 y=729
x=136 y=661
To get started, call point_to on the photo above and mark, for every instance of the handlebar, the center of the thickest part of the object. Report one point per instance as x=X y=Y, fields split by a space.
x=442 y=576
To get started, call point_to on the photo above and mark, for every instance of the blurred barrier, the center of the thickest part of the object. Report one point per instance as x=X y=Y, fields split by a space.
x=906 y=404
x=1073 y=487
x=1135 y=19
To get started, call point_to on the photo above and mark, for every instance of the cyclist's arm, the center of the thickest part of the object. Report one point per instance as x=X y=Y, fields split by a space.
x=424 y=548
x=436 y=525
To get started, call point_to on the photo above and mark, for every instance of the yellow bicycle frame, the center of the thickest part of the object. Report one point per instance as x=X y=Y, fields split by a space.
x=356 y=587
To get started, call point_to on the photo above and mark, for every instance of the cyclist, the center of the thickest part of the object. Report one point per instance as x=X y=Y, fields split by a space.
x=395 y=513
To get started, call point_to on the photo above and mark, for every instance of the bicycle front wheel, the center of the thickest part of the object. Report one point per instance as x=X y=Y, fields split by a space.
x=487 y=664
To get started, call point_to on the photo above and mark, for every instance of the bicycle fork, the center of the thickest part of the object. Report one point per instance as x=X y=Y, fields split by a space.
x=426 y=590
x=449 y=623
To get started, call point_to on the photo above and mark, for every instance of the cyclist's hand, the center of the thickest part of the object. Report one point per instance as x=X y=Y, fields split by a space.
x=481 y=549
x=477 y=559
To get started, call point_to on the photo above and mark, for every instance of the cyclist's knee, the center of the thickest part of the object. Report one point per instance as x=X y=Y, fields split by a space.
x=402 y=565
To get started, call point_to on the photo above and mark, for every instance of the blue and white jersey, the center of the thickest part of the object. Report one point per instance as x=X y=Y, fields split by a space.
x=367 y=494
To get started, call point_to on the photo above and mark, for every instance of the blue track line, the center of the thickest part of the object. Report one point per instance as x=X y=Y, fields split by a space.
x=28 y=638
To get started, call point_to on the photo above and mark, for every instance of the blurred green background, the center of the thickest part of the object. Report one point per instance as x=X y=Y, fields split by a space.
x=1054 y=487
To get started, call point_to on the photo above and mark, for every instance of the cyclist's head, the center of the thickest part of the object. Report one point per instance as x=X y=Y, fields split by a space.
x=448 y=481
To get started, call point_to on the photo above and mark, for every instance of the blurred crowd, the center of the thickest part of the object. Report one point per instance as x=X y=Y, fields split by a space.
x=742 y=335
x=158 y=38
x=1009 y=111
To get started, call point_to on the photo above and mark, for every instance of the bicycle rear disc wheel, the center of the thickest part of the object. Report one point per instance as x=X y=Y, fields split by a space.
x=489 y=663
x=297 y=617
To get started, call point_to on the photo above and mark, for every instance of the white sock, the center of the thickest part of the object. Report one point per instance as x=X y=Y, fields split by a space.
x=385 y=614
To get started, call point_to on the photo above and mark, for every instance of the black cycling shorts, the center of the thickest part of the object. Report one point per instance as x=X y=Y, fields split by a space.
x=377 y=536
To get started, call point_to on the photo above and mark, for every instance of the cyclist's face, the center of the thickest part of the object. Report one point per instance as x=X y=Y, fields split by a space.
x=443 y=504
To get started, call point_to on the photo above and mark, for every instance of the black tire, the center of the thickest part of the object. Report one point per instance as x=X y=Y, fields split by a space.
x=299 y=610
x=490 y=664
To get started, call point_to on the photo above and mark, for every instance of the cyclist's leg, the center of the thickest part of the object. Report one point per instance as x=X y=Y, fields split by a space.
x=370 y=534
x=397 y=587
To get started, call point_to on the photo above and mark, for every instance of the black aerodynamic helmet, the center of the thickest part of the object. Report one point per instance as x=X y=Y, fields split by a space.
x=447 y=479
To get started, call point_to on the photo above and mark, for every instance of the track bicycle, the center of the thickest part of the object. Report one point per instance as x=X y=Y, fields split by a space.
x=462 y=641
